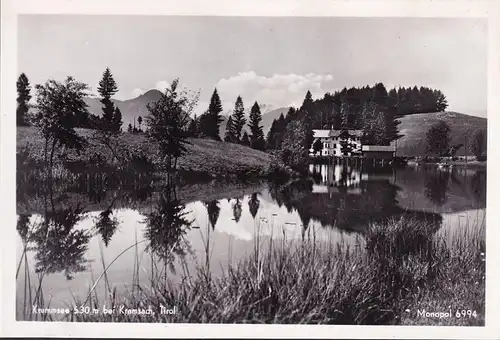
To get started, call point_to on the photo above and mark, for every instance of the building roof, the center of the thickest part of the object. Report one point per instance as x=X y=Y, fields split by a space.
x=321 y=133
x=383 y=148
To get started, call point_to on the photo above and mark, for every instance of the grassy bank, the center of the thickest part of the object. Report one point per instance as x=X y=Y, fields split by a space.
x=414 y=128
x=204 y=157
x=398 y=269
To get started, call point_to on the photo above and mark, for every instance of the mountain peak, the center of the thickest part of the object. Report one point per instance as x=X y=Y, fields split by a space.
x=152 y=94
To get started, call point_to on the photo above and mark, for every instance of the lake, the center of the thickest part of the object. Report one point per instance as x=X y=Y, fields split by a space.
x=69 y=233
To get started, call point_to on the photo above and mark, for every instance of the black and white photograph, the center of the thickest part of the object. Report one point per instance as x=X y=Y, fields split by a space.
x=250 y=169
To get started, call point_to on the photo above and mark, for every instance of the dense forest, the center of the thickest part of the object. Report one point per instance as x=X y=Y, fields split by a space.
x=371 y=109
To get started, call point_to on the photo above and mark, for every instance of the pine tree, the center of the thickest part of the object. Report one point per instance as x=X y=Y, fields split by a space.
x=139 y=120
x=107 y=88
x=271 y=136
x=307 y=113
x=239 y=120
x=380 y=96
x=257 y=136
x=308 y=103
x=229 y=136
x=211 y=119
x=129 y=129
x=245 y=140
x=117 y=121
x=380 y=128
x=344 y=113
x=193 y=127
x=23 y=97
x=367 y=115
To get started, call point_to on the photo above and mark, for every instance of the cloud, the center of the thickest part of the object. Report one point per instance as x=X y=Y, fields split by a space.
x=278 y=89
x=137 y=92
x=161 y=85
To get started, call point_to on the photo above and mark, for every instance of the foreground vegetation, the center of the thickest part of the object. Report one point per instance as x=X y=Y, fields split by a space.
x=203 y=156
x=397 y=269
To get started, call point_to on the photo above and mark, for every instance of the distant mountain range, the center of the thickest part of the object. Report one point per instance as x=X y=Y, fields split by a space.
x=133 y=108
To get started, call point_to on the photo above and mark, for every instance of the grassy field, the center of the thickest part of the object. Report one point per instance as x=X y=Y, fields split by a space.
x=397 y=270
x=203 y=156
x=414 y=128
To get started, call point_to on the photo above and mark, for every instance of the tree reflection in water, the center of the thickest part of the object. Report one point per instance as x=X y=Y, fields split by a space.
x=23 y=224
x=237 y=209
x=106 y=225
x=166 y=227
x=436 y=187
x=213 y=211
x=59 y=246
x=253 y=204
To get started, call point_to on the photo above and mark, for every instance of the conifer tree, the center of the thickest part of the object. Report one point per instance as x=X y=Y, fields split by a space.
x=344 y=113
x=107 y=88
x=307 y=113
x=139 y=120
x=117 y=121
x=257 y=135
x=239 y=119
x=245 y=140
x=23 y=97
x=193 y=130
x=271 y=136
x=229 y=136
x=211 y=119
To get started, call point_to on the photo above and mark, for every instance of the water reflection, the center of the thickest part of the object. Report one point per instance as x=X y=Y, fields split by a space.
x=436 y=186
x=338 y=201
x=213 y=211
x=166 y=227
x=59 y=246
x=237 y=209
x=253 y=204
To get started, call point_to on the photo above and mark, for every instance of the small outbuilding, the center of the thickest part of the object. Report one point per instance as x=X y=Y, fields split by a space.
x=385 y=152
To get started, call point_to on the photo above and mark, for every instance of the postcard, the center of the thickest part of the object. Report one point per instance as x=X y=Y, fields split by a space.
x=248 y=169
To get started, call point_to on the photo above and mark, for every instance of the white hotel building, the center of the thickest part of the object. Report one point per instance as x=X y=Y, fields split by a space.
x=331 y=141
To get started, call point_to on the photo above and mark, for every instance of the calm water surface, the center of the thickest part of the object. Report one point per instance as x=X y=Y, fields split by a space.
x=92 y=224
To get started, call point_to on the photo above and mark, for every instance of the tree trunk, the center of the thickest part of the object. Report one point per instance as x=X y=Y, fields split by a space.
x=52 y=156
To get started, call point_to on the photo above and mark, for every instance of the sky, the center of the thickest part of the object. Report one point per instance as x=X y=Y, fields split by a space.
x=273 y=60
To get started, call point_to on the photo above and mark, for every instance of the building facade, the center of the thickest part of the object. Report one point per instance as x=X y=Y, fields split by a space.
x=348 y=143
x=338 y=143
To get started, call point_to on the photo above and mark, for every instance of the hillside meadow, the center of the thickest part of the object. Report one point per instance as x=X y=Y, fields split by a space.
x=414 y=129
x=203 y=156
